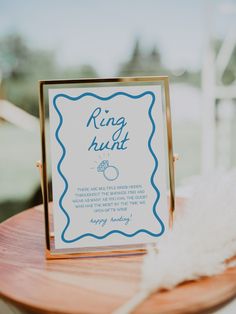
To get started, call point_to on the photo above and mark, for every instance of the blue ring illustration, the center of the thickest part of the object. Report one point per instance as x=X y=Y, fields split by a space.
x=110 y=177
x=109 y=172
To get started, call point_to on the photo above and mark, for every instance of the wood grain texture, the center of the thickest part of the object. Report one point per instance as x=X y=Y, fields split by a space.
x=90 y=285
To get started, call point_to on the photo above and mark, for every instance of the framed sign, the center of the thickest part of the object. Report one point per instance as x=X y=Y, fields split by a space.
x=107 y=145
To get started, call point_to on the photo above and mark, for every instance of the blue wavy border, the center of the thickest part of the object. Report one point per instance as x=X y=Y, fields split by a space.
x=66 y=183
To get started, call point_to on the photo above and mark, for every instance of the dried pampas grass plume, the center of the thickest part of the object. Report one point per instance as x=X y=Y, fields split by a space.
x=202 y=239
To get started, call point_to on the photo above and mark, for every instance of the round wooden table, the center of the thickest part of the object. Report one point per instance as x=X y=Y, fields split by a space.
x=89 y=285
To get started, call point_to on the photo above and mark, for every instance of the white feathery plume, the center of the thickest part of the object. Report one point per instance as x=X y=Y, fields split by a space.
x=202 y=239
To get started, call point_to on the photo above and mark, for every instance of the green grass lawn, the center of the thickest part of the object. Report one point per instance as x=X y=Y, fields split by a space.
x=20 y=149
x=187 y=144
x=19 y=178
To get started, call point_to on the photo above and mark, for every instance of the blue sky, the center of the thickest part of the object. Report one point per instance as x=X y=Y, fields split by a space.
x=102 y=32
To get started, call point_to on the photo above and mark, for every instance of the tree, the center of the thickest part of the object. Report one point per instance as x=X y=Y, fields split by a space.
x=14 y=55
x=23 y=66
x=141 y=63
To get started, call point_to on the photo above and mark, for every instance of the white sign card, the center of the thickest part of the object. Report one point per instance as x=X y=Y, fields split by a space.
x=108 y=165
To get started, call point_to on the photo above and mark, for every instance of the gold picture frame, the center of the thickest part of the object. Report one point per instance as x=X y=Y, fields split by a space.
x=51 y=252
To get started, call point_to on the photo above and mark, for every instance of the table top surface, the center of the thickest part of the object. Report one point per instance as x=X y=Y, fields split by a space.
x=88 y=285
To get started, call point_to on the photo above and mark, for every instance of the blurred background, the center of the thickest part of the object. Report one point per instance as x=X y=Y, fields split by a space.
x=193 y=42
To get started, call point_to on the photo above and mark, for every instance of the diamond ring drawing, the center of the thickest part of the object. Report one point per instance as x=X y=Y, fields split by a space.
x=110 y=173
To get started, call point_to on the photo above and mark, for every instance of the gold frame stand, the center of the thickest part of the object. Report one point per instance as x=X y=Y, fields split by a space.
x=51 y=252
